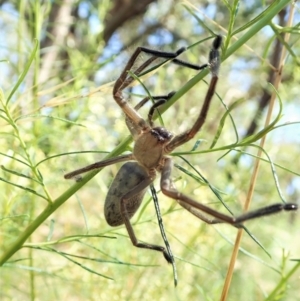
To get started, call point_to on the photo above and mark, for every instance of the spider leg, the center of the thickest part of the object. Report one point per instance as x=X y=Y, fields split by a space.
x=189 y=65
x=157 y=98
x=214 y=61
x=197 y=208
x=130 y=197
x=97 y=165
x=124 y=80
x=163 y=233
x=160 y=100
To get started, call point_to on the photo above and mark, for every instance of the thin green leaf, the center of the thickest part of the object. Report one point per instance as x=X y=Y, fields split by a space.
x=202 y=23
x=67 y=256
x=69 y=238
x=71 y=153
x=19 y=174
x=267 y=129
x=15 y=159
x=273 y=170
x=222 y=122
x=212 y=188
x=24 y=188
x=26 y=69
x=25 y=216
x=196 y=145
x=148 y=93
x=49 y=116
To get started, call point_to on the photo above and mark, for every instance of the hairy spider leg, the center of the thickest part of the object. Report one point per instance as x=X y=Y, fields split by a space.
x=214 y=63
x=125 y=80
x=198 y=209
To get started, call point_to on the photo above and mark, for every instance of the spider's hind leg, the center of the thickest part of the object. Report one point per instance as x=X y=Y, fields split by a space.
x=202 y=211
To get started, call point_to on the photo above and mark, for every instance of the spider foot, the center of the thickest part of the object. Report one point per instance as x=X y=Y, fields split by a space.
x=290 y=207
x=167 y=256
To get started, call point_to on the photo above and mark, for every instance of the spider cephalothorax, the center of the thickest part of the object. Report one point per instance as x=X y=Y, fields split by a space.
x=149 y=147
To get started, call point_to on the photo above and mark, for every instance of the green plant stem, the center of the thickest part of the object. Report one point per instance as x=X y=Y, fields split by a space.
x=31 y=274
x=282 y=283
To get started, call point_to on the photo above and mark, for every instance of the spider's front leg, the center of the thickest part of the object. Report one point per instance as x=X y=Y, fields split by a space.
x=214 y=63
x=125 y=80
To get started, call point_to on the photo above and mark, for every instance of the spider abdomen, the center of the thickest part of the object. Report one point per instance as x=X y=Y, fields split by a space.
x=129 y=176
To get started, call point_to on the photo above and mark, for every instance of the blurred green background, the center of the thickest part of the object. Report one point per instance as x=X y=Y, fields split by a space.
x=58 y=61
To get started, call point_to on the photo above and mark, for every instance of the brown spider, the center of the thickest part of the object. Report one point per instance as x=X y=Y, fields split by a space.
x=152 y=144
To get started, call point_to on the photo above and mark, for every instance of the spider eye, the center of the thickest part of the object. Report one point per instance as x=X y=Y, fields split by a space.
x=161 y=134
